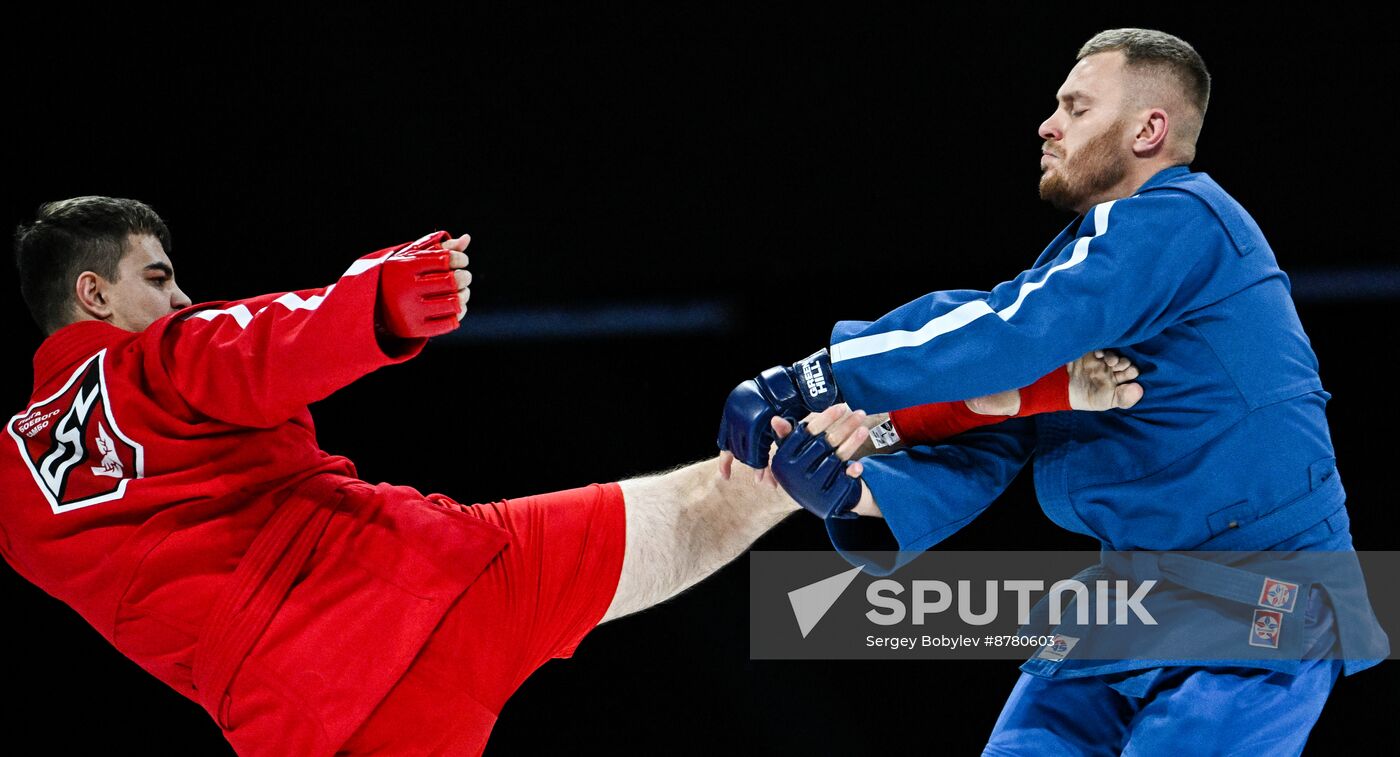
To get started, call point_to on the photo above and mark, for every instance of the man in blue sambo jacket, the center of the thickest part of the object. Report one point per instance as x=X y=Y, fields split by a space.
x=1228 y=450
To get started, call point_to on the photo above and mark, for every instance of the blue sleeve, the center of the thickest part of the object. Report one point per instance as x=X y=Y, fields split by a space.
x=928 y=492
x=1135 y=267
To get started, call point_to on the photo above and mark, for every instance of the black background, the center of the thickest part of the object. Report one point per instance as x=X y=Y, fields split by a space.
x=796 y=167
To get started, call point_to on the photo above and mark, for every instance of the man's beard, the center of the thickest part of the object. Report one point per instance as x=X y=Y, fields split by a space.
x=1095 y=168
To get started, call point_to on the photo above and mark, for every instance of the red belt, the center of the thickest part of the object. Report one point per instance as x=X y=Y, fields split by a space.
x=258 y=586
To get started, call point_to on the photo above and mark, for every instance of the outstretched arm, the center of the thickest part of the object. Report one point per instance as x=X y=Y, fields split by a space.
x=1099 y=380
x=1135 y=267
x=924 y=493
x=257 y=362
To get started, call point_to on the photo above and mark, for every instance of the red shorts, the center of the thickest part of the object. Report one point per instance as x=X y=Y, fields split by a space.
x=541 y=595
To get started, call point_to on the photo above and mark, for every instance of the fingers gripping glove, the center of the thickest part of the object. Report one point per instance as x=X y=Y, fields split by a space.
x=807 y=386
x=808 y=469
x=417 y=290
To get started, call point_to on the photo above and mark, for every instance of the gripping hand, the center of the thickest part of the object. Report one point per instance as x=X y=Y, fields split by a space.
x=788 y=392
x=808 y=469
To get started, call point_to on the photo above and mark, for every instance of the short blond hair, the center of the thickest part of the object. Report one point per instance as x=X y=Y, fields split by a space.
x=1167 y=72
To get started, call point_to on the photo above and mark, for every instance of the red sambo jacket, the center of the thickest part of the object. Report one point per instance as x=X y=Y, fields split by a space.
x=168 y=486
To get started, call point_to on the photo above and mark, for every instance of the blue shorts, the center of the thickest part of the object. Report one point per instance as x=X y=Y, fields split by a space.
x=1188 y=710
x=1194 y=710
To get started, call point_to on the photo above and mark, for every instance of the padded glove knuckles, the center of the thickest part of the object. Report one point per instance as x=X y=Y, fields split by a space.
x=808 y=469
x=417 y=289
x=790 y=392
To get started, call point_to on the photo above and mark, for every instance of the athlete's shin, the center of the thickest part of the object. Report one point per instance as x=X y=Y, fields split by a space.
x=685 y=524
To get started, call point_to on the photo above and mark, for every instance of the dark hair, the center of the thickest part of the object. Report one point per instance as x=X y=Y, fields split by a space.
x=1160 y=57
x=69 y=237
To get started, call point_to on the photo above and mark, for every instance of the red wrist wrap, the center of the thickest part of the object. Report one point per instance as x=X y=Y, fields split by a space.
x=938 y=420
x=1050 y=393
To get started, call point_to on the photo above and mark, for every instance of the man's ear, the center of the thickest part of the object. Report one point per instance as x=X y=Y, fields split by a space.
x=1152 y=134
x=90 y=296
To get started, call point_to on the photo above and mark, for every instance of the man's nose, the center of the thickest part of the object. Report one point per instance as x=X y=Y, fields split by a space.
x=1049 y=131
x=179 y=300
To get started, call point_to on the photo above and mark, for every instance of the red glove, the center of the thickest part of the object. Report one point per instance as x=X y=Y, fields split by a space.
x=417 y=290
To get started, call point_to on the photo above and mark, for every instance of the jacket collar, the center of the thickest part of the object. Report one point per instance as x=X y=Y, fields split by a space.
x=1164 y=176
x=71 y=344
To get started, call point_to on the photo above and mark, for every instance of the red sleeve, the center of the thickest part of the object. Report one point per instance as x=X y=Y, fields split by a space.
x=936 y=421
x=257 y=362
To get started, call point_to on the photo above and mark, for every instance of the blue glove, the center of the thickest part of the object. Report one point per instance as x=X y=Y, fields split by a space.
x=808 y=469
x=745 y=428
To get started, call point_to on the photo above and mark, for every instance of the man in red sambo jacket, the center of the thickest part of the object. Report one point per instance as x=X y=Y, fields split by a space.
x=166 y=483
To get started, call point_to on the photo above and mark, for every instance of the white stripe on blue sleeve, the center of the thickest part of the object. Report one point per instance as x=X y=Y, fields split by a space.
x=874 y=344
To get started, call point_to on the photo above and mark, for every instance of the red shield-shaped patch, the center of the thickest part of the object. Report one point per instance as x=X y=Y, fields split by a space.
x=1265 y=629
x=1279 y=595
x=75 y=450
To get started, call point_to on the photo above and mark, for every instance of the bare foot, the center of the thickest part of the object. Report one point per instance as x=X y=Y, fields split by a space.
x=1103 y=380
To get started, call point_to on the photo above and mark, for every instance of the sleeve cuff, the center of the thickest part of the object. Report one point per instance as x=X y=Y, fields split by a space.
x=883 y=545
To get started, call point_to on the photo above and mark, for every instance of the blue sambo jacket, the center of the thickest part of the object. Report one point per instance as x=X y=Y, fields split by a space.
x=1228 y=450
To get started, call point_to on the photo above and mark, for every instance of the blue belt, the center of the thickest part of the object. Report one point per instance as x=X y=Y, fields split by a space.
x=1202 y=575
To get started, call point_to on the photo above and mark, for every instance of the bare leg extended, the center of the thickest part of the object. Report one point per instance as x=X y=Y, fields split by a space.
x=684 y=525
